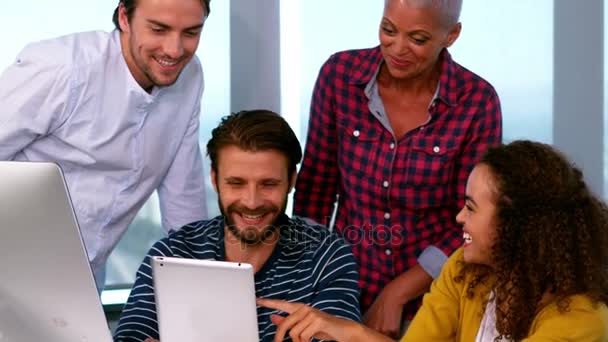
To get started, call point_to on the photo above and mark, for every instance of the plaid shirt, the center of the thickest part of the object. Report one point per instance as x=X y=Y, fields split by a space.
x=396 y=197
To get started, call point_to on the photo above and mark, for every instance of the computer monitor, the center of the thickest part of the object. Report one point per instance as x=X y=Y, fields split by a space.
x=47 y=290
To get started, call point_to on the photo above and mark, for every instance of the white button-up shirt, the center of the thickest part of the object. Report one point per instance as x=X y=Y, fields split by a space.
x=72 y=100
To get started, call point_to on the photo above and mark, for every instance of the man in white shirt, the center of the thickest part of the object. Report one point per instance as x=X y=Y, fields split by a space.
x=119 y=112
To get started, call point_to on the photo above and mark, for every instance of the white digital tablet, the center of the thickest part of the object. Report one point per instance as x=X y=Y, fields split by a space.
x=204 y=300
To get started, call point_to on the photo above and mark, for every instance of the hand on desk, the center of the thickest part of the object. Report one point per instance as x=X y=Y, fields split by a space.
x=385 y=314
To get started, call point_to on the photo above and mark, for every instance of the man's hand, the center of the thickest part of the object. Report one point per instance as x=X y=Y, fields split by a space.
x=305 y=322
x=149 y=339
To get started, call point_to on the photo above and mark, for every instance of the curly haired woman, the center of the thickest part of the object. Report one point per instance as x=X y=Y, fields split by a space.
x=534 y=255
x=533 y=266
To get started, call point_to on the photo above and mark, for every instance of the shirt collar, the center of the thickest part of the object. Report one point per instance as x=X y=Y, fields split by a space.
x=368 y=65
x=133 y=85
x=448 y=87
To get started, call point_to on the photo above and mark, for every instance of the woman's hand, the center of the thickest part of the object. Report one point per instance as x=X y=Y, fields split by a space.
x=385 y=313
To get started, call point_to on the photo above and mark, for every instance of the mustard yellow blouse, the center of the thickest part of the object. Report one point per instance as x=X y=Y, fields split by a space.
x=448 y=315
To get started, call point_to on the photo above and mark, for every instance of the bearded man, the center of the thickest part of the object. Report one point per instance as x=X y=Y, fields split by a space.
x=253 y=168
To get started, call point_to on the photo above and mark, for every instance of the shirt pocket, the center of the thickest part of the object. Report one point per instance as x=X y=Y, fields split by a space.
x=358 y=150
x=431 y=162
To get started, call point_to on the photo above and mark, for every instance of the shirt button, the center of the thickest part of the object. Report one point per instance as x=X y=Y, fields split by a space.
x=392 y=146
x=436 y=149
x=356 y=133
x=388 y=252
x=387 y=215
x=385 y=184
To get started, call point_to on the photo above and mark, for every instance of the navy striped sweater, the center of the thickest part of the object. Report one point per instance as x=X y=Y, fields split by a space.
x=309 y=265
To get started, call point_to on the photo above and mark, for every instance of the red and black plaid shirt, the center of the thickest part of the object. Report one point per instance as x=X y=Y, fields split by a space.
x=396 y=197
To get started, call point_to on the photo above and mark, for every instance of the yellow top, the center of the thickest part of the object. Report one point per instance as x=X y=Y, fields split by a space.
x=448 y=315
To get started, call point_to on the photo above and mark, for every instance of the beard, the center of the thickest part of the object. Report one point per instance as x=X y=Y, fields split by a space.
x=145 y=67
x=250 y=235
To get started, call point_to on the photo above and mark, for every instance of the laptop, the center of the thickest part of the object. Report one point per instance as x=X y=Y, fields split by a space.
x=47 y=290
x=204 y=300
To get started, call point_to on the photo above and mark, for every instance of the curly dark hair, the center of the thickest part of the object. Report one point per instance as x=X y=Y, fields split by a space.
x=552 y=236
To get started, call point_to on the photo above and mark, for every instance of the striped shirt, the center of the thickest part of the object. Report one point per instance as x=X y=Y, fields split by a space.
x=309 y=265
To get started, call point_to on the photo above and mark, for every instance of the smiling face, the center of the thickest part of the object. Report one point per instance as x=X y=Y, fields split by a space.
x=252 y=190
x=411 y=39
x=160 y=39
x=478 y=216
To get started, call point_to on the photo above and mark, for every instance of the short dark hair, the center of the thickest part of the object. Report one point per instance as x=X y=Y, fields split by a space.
x=130 y=6
x=255 y=130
